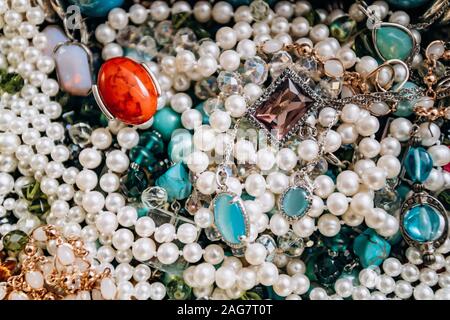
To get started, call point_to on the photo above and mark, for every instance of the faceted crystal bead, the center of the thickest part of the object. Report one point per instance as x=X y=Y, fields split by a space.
x=229 y=82
x=291 y=244
x=330 y=87
x=196 y=201
x=80 y=134
x=39 y=206
x=147 y=47
x=387 y=200
x=418 y=164
x=142 y=156
x=177 y=289
x=229 y=218
x=280 y=61
x=15 y=241
x=423 y=223
x=128 y=36
x=308 y=65
x=260 y=10
x=185 y=38
x=213 y=104
x=164 y=32
x=134 y=182
x=154 y=197
x=255 y=70
x=10 y=82
x=269 y=243
x=206 y=88
x=370 y=248
x=212 y=234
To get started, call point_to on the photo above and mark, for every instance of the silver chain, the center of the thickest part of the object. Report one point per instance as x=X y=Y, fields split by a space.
x=444 y=6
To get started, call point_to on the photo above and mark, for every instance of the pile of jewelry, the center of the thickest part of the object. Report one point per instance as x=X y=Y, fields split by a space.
x=224 y=150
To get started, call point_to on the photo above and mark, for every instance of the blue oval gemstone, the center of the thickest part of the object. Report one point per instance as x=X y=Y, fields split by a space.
x=418 y=164
x=295 y=202
x=423 y=223
x=229 y=218
x=96 y=8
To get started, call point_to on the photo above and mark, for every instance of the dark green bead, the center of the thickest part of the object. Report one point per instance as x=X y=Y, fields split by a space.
x=32 y=191
x=181 y=19
x=313 y=17
x=39 y=206
x=14 y=241
x=134 y=182
x=328 y=269
x=142 y=156
x=177 y=289
x=152 y=140
x=11 y=82
x=363 y=45
x=342 y=28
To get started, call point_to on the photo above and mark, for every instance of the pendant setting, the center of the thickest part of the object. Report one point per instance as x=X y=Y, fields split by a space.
x=230 y=218
x=295 y=202
x=393 y=41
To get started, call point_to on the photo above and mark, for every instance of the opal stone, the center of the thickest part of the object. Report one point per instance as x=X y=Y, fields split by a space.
x=176 y=182
x=73 y=69
x=180 y=146
x=229 y=218
x=423 y=223
x=55 y=35
x=405 y=107
x=166 y=121
x=295 y=202
x=407 y=4
x=96 y=8
x=393 y=42
x=370 y=248
x=418 y=164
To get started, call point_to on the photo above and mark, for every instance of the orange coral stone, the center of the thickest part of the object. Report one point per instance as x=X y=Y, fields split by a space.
x=127 y=90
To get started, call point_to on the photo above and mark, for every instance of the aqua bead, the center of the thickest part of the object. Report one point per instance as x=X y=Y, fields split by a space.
x=142 y=156
x=418 y=164
x=295 y=202
x=176 y=182
x=96 y=8
x=165 y=121
x=407 y=4
x=229 y=218
x=152 y=141
x=370 y=248
x=423 y=223
x=180 y=146
x=405 y=107
x=393 y=42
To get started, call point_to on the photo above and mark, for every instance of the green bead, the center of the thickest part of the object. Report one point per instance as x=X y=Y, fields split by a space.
x=313 y=17
x=11 y=82
x=405 y=107
x=32 y=191
x=14 y=241
x=177 y=289
x=152 y=141
x=342 y=28
x=166 y=121
x=363 y=44
x=142 y=156
x=39 y=206
x=393 y=42
x=134 y=182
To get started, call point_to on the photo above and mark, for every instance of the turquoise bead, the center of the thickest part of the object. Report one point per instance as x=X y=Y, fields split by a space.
x=295 y=202
x=393 y=43
x=418 y=164
x=176 y=182
x=405 y=107
x=229 y=218
x=165 y=121
x=152 y=141
x=96 y=8
x=423 y=223
x=407 y=4
x=142 y=157
x=180 y=146
x=205 y=117
x=370 y=248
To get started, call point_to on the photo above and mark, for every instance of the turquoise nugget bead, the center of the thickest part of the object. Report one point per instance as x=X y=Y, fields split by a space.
x=370 y=248
x=176 y=182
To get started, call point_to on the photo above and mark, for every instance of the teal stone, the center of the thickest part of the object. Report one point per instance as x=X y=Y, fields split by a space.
x=142 y=157
x=152 y=141
x=393 y=42
x=370 y=248
x=176 y=182
x=418 y=164
x=423 y=223
x=407 y=4
x=165 y=121
x=205 y=117
x=295 y=202
x=96 y=8
x=180 y=146
x=230 y=218
x=405 y=107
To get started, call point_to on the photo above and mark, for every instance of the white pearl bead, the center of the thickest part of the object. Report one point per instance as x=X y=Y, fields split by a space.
x=401 y=129
x=277 y=182
x=390 y=164
x=267 y=274
x=206 y=182
x=229 y=60
x=222 y=12
x=375 y=178
x=337 y=203
x=308 y=150
x=304 y=227
x=118 y=18
x=236 y=105
x=390 y=146
x=440 y=155
x=323 y=186
x=429 y=133
x=255 y=253
x=226 y=38
x=369 y=147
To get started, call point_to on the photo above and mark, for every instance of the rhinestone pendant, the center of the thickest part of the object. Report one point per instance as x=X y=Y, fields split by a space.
x=282 y=108
x=295 y=202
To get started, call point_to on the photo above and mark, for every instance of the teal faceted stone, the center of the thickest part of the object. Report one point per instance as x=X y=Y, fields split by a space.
x=176 y=182
x=405 y=107
x=165 y=121
x=407 y=4
x=134 y=182
x=152 y=140
x=96 y=8
x=142 y=157
x=180 y=146
x=295 y=202
x=418 y=164
x=370 y=248
x=423 y=223
x=229 y=218
x=393 y=42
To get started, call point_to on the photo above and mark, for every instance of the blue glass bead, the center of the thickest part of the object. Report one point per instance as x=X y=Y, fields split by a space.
x=423 y=223
x=152 y=141
x=370 y=248
x=165 y=121
x=407 y=4
x=418 y=164
x=405 y=107
x=176 y=182
x=393 y=42
x=229 y=218
x=96 y=8
x=295 y=202
x=142 y=156
x=180 y=146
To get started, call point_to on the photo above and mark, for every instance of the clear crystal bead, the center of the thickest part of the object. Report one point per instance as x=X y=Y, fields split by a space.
x=206 y=88
x=212 y=234
x=229 y=82
x=260 y=10
x=329 y=87
x=154 y=197
x=255 y=70
x=129 y=36
x=80 y=134
x=147 y=47
x=291 y=244
x=280 y=61
x=185 y=38
x=213 y=104
x=269 y=243
x=164 y=32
